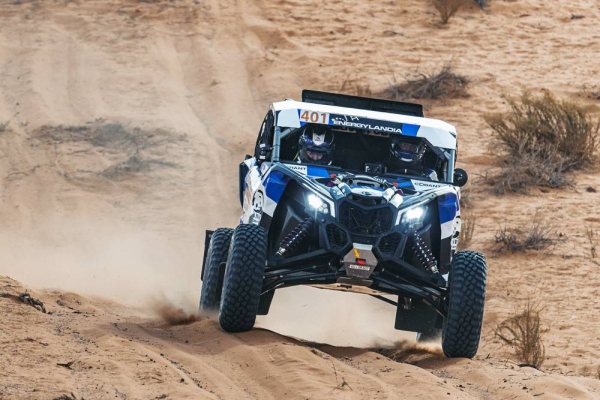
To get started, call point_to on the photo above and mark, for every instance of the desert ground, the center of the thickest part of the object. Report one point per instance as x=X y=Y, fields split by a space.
x=122 y=123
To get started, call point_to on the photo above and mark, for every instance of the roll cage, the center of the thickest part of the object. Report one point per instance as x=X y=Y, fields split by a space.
x=378 y=119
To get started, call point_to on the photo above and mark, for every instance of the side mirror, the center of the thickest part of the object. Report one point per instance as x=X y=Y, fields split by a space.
x=265 y=152
x=460 y=177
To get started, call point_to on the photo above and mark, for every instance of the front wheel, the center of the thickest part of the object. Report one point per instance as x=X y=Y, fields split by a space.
x=243 y=278
x=466 y=298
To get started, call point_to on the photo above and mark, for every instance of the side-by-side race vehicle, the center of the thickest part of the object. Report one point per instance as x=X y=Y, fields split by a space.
x=355 y=194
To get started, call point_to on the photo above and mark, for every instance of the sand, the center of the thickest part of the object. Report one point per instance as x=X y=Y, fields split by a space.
x=113 y=228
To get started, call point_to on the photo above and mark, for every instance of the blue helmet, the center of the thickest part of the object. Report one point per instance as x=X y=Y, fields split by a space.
x=407 y=149
x=316 y=146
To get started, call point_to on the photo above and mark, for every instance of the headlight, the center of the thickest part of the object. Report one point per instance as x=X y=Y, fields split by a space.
x=413 y=217
x=315 y=203
x=413 y=214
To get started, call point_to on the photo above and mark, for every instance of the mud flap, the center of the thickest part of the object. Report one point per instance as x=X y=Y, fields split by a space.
x=420 y=318
x=264 y=303
x=206 y=244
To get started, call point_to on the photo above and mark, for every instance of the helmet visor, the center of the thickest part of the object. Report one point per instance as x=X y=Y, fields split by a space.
x=315 y=156
x=406 y=147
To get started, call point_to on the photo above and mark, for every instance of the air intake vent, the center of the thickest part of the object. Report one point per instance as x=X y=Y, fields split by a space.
x=336 y=236
x=365 y=221
x=389 y=243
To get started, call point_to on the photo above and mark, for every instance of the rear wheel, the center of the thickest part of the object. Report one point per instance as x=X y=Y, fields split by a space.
x=462 y=326
x=212 y=282
x=243 y=278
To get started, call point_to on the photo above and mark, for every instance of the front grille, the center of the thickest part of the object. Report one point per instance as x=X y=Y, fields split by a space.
x=336 y=236
x=389 y=243
x=360 y=221
x=364 y=239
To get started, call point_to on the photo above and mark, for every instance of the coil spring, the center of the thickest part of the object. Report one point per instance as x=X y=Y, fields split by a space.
x=424 y=254
x=295 y=237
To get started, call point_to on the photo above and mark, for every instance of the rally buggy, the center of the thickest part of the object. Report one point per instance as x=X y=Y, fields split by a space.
x=351 y=225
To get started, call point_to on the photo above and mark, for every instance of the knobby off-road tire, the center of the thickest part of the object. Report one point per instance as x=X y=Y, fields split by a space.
x=212 y=283
x=462 y=327
x=243 y=278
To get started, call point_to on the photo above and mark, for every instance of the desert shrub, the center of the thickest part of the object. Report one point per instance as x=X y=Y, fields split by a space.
x=447 y=8
x=518 y=174
x=592 y=236
x=467 y=228
x=3 y=127
x=354 y=86
x=547 y=127
x=534 y=237
x=443 y=83
x=524 y=332
x=542 y=138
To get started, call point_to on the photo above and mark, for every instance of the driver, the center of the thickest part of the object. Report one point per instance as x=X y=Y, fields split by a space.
x=316 y=145
x=407 y=157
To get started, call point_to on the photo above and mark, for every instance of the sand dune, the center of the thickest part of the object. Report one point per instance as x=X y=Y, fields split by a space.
x=93 y=348
x=183 y=85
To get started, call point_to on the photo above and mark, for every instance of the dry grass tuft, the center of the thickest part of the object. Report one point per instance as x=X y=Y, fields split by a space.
x=518 y=174
x=436 y=85
x=524 y=332
x=467 y=217
x=592 y=236
x=542 y=138
x=447 y=8
x=535 y=237
x=467 y=228
x=355 y=86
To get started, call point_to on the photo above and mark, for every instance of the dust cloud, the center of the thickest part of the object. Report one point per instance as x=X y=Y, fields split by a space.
x=111 y=259
x=333 y=317
x=405 y=350
x=173 y=314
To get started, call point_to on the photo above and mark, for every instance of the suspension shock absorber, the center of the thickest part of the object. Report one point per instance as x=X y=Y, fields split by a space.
x=423 y=254
x=296 y=236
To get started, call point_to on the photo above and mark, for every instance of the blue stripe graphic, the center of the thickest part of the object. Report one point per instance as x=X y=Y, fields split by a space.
x=410 y=130
x=275 y=184
x=447 y=205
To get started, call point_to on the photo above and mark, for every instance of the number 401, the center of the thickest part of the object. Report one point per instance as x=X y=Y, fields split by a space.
x=314 y=117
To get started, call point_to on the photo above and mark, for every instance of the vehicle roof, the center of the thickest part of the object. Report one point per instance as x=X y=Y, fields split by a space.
x=291 y=114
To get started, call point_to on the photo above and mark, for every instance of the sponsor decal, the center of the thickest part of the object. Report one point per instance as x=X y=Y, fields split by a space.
x=360 y=267
x=258 y=202
x=363 y=191
x=301 y=169
x=455 y=235
x=263 y=168
x=255 y=218
x=318 y=139
x=365 y=124
x=426 y=185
